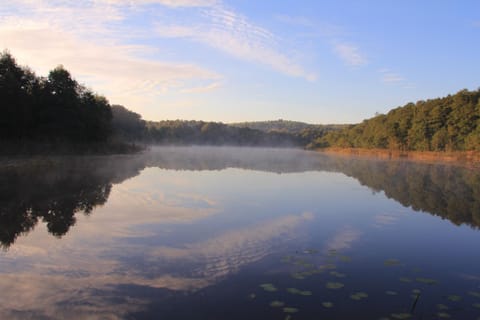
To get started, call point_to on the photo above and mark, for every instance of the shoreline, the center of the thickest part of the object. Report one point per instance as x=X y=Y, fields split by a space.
x=464 y=158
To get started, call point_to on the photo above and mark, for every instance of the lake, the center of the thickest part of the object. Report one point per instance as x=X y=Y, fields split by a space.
x=238 y=233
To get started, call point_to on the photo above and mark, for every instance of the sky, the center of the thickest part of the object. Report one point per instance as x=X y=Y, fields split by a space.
x=242 y=60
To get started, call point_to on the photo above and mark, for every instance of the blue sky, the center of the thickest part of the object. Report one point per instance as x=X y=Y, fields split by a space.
x=313 y=61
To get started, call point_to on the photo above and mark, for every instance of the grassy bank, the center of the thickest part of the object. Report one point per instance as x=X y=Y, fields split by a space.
x=468 y=158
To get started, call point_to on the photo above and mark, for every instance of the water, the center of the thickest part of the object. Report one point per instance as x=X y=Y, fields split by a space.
x=237 y=233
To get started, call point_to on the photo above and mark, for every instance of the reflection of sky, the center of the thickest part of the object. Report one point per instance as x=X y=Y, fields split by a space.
x=53 y=275
x=188 y=230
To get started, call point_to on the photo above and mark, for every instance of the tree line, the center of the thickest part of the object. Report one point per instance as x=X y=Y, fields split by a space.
x=58 y=110
x=55 y=108
x=451 y=123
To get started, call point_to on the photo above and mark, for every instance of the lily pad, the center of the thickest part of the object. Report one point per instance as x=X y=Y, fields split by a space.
x=337 y=274
x=391 y=262
x=404 y=279
x=401 y=315
x=277 y=304
x=327 y=304
x=310 y=251
x=298 y=276
x=426 y=281
x=359 y=296
x=345 y=259
x=476 y=305
x=474 y=293
x=268 y=287
x=288 y=317
x=391 y=293
x=454 y=298
x=442 y=307
x=334 y=285
x=290 y=310
x=443 y=315
x=299 y=292
x=416 y=291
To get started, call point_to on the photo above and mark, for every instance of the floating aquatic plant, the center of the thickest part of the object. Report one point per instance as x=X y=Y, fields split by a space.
x=298 y=276
x=416 y=291
x=345 y=259
x=268 y=287
x=404 y=279
x=359 y=296
x=310 y=251
x=401 y=315
x=454 y=298
x=476 y=305
x=391 y=262
x=299 y=292
x=277 y=304
x=327 y=304
x=252 y=296
x=391 y=293
x=337 y=274
x=334 y=285
x=290 y=310
x=442 y=307
x=443 y=315
x=474 y=293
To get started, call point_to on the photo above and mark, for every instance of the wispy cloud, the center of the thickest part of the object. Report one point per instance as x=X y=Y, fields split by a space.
x=350 y=54
x=202 y=89
x=169 y=3
x=88 y=39
x=393 y=78
x=234 y=34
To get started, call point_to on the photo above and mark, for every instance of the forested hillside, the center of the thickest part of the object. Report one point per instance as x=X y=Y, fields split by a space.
x=451 y=123
x=215 y=133
x=55 y=108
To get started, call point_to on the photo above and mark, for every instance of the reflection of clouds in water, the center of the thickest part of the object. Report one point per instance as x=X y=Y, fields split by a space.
x=343 y=239
x=382 y=220
x=226 y=253
x=78 y=279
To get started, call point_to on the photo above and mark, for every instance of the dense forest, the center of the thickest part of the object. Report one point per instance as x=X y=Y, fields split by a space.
x=46 y=112
x=54 y=109
x=451 y=123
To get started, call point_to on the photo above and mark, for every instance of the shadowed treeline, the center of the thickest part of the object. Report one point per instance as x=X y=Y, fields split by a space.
x=53 y=190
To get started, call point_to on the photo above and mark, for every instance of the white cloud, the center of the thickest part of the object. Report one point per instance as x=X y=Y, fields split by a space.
x=350 y=54
x=235 y=35
x=202 y=89
x=391 y=77
x=169 y=3
x=89 y=40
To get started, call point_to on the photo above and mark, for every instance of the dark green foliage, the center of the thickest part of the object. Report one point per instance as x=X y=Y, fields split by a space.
x=215 y=133
x=451 y=123
x=55 y=109
x=127 y=125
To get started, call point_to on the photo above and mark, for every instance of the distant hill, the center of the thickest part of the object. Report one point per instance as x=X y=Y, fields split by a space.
x=451 y=123
x=293 y=127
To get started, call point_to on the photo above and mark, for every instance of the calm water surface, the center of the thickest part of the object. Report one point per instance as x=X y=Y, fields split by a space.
x=237 y=233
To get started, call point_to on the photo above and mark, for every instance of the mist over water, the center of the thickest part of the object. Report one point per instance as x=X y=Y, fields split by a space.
x=223 y=232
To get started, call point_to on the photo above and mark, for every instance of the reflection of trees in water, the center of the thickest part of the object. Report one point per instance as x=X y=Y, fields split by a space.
x=450 y=192
x=443 y=190
x=53 y=191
